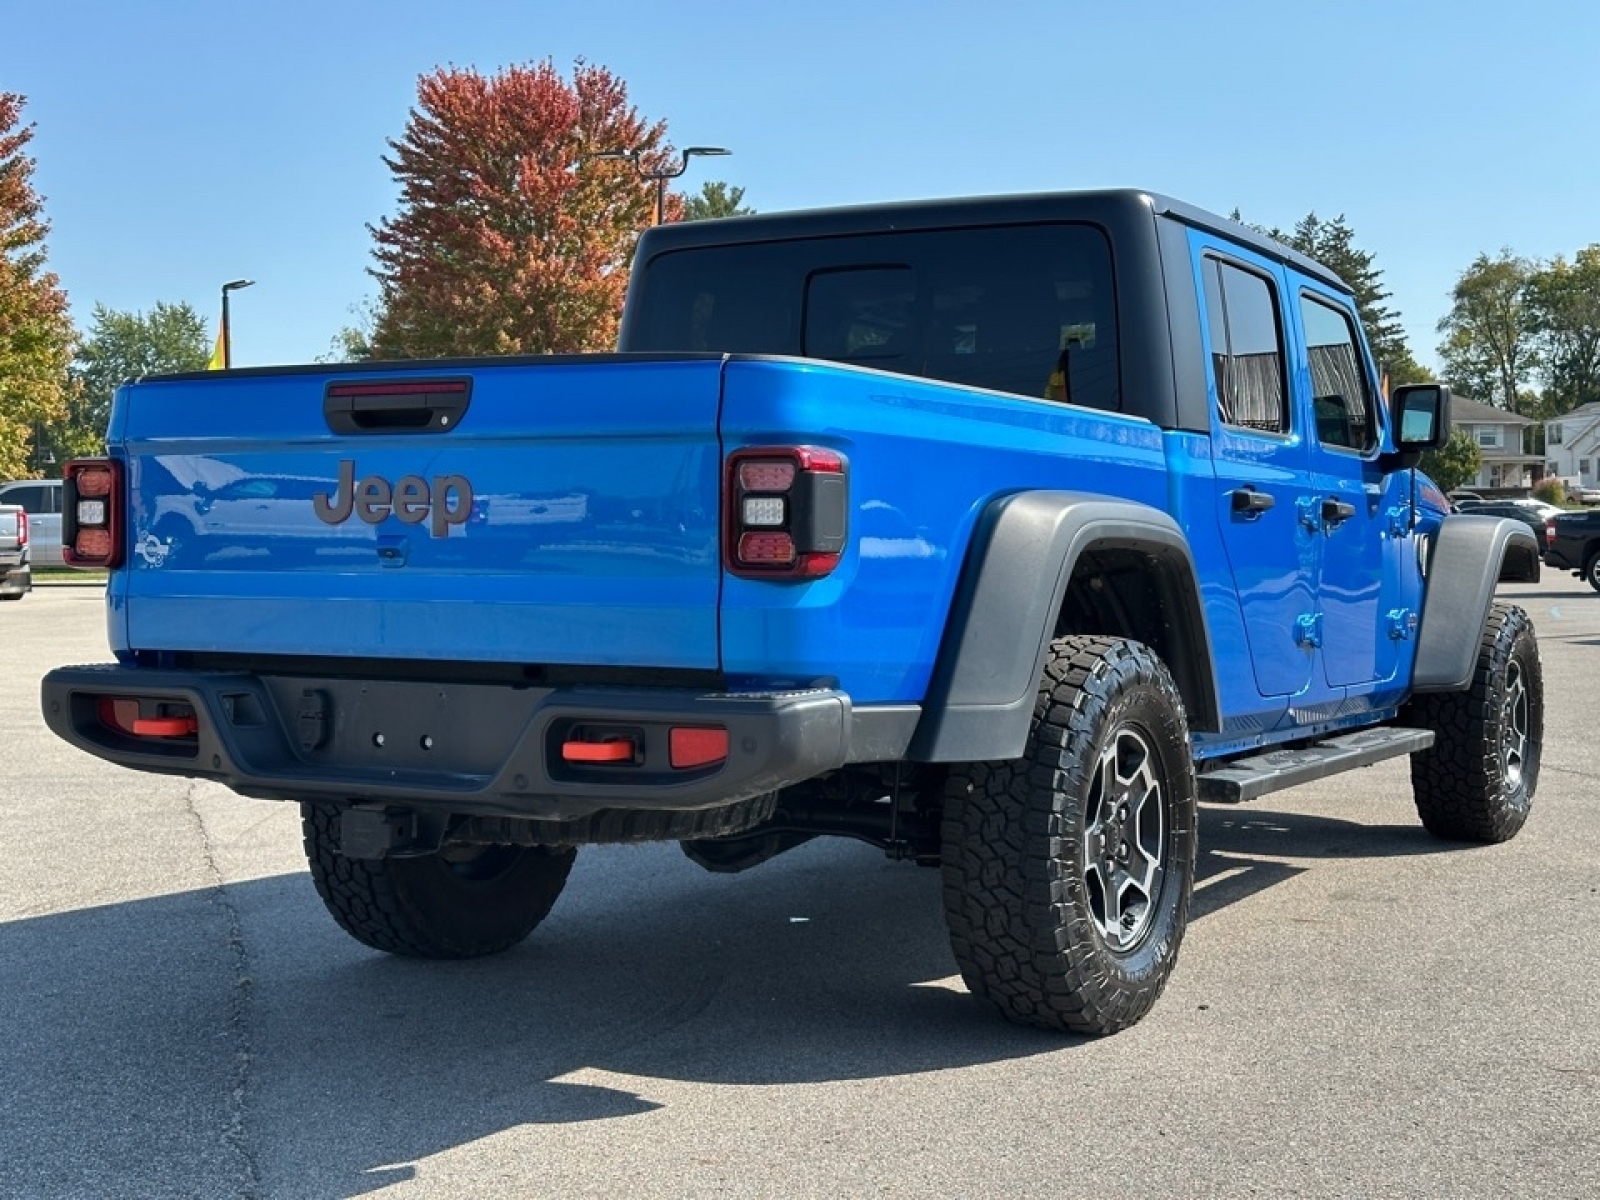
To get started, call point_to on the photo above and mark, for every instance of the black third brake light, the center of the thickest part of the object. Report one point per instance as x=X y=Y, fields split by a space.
x=786 y=512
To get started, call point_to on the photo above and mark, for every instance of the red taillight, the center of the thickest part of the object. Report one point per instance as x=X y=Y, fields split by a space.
x=786 y=510
x=758 y=476
x=22 y=529
x=91 y=515
x=766 y=550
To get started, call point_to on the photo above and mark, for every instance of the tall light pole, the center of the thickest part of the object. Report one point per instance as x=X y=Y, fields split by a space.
x=659 y=178
x=227 y=334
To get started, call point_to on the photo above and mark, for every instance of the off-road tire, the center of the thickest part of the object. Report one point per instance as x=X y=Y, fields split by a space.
x=1024 y=842
x=1476 y=783
x=459 y=903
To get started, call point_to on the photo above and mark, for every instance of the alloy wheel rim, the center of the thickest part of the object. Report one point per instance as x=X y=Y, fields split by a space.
x=1514 y=726
x=1124 y=841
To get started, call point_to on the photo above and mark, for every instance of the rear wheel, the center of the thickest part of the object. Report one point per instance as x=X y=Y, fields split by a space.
x=1475 y=784
x=458 y=902
x=1068 y=872
x=1591 y=571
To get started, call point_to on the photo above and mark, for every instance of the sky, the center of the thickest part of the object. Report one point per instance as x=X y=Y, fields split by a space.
x=180 y=145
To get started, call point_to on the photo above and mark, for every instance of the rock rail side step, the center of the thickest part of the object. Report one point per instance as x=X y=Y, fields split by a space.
x=1247 y=778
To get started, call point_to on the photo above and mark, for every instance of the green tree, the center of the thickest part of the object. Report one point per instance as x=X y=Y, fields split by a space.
x=1332 y=244
x=120 y=346
x=1454 y=463
x=36 y=334
x=353 y=343
x=1489 y=350
x=512 y=236
x=1564 y=304
x=716 y=199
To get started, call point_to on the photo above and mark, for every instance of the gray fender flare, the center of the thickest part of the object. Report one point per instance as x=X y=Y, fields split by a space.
x=1466 y=560
x=981 y=698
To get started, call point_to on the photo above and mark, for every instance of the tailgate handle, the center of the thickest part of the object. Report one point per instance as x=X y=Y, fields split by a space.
x=396 y=406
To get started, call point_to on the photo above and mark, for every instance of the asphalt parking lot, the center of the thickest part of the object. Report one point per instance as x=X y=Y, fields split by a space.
x=1358 y=1010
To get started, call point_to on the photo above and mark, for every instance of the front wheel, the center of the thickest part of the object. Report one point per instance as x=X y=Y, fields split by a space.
x=1475 y=784
x=458 y=902
x=1068 y=872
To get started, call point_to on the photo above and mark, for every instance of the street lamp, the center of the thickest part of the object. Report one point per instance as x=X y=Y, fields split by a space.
x=659 y=178
x=227 y=336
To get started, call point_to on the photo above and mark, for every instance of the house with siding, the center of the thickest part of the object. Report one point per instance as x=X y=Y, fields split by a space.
x=1498 y=435
x=1572 y=445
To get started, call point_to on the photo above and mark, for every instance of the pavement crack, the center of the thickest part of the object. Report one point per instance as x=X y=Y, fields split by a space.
x=235 y=1128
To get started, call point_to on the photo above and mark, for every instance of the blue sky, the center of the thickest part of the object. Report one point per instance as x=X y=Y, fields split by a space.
x=180 y=145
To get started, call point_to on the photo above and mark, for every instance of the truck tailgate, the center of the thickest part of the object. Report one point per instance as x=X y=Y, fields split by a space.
x=570 y=517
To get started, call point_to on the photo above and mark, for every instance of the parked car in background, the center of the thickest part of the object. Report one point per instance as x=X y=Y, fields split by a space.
x=16 y=579
x=1582 y=493
x=41 y=500
x=1545 y=510
x=1516 y=510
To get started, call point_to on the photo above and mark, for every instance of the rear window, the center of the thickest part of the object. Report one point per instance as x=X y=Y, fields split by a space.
x=1025 y=309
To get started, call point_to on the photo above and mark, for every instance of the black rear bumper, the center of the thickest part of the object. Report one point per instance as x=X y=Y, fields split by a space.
x=16 y=580
x=461 y=748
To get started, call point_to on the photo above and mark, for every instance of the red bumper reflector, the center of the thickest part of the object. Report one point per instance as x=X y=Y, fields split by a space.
x=119 y=714
x=618 y=750
x=122 y=714
x=696 y=747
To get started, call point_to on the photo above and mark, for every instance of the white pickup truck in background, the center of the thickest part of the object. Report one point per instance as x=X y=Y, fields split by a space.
x=41 y=498
x=16 y=576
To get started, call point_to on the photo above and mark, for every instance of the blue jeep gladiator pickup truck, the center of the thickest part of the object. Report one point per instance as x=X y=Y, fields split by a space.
x=996 y=533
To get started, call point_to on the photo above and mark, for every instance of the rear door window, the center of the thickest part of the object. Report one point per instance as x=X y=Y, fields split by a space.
x=1246 y=347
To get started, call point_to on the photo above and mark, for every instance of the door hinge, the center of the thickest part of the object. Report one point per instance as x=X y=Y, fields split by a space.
x=1402 y=623
x=1308 y=629
x=1310 y=509
x=1399 y=520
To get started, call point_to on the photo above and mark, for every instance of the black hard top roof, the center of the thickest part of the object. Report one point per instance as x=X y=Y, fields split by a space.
x=1114 y=207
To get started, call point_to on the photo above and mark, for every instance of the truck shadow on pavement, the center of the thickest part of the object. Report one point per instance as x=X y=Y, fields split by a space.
x=234 y=1041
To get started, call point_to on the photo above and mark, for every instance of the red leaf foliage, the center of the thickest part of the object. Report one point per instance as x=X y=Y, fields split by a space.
x=510 y=238
x=36 y=334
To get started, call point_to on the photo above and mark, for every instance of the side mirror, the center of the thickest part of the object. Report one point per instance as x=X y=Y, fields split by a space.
x=1420 y=415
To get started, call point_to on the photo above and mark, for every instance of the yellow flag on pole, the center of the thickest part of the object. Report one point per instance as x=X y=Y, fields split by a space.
x=215 y=363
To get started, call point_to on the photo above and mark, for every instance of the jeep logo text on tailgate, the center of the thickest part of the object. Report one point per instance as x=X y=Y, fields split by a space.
x=447 y=502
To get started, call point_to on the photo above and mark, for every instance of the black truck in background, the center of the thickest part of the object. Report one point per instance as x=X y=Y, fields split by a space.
x=1572 y=543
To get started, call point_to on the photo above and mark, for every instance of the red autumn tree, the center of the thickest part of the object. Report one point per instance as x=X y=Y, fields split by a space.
x=36 y=335
x=511 y=237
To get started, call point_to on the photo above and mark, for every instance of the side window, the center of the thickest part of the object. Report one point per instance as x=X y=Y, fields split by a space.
x=32 y=499
x=1340 y=396
x=1246 y=348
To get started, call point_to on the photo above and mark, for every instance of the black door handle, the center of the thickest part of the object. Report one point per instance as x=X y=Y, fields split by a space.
x=1249 y=501
x=1335 y=510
